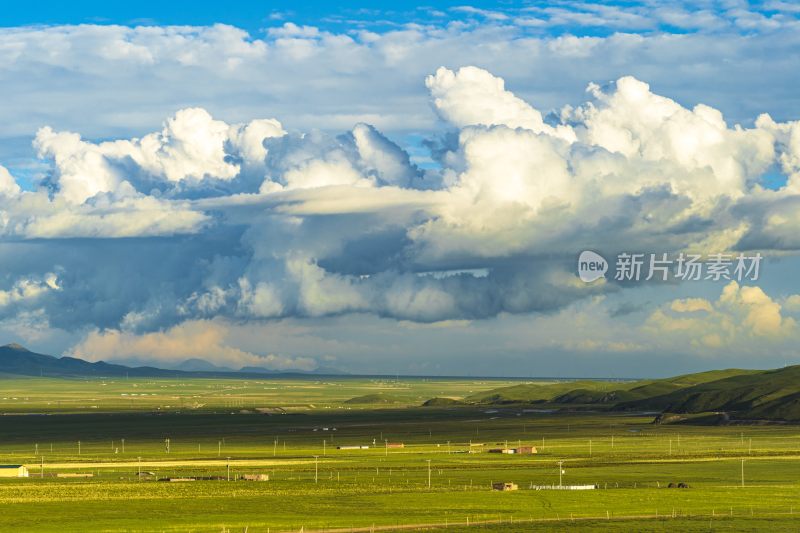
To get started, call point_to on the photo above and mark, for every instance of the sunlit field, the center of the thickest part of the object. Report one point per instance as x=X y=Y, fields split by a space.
x=738 y=477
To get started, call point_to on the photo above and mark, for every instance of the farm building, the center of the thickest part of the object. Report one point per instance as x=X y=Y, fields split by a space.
x=255 y=477
x=13 y=471
x=395 y=445
x=352 y=447
x=564 y=487
x=506 y=485
x=526 y=449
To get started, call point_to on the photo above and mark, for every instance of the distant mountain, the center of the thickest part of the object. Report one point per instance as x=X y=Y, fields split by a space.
x=201 y=365
x=16 y=359
x=255 y=370
x=328 y=371
x=322 y=371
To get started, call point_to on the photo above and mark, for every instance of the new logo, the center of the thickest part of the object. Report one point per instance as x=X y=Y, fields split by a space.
x=591 y=266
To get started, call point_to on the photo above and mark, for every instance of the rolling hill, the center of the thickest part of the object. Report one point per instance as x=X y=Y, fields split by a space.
x=547 y=391
x=756 y=395
x=642 y=390
x=716 y=396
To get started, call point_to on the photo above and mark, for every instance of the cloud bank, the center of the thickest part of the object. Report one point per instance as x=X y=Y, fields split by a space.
x=147 y=240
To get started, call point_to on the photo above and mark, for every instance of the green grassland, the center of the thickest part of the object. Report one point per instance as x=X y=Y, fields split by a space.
x=289 y=428
x=82 y=395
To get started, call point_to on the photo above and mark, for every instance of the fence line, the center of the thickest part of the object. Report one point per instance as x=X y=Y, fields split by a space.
x=511 y=520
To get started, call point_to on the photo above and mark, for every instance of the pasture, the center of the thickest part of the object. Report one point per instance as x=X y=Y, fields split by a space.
x=739 y=476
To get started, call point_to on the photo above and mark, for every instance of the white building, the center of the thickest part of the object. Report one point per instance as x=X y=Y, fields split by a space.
x=13 y=471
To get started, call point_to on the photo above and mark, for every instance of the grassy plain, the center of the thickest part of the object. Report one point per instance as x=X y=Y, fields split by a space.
x=278 y=426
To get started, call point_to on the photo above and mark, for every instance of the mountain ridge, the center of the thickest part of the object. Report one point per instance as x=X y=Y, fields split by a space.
x=16 y=359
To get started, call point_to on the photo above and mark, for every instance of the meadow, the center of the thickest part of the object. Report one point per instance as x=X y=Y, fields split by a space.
x=739 y=476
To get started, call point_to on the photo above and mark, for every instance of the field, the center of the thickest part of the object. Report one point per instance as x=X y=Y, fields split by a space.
x=740 y=477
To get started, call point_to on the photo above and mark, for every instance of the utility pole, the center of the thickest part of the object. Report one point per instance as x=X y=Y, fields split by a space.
x=560 y=472
x=324 y=444
x=429 y=473
x=742 y=473
x=219 y=448
x=229 y=468
x=316 y=469
x=387 y=447
x=123 y=445
x=140 y=468
x=36 y=450
x=41 y=470
x=166 y=445
x=79 y=447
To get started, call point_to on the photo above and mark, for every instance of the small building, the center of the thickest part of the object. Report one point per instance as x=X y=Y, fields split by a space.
x=527 y=450
x=13 y=471
x=395 y=445
x=564 y=487
x=352 y=447
x=503 y=450
x=505 y=485
x=74 y=474
x=255 y=477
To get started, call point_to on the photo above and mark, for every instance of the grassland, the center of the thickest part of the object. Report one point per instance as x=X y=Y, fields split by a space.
x=290 y=428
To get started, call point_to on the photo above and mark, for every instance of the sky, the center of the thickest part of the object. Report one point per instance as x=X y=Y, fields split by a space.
x=402 y=189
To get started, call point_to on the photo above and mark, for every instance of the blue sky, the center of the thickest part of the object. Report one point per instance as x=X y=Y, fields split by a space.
x=398 y=191
x=381 y=16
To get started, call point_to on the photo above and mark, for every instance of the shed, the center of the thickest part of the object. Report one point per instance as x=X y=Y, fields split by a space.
x=13 y=471
x=505 y=485
x=255 y=477
x=526 y=449
x=395 y=445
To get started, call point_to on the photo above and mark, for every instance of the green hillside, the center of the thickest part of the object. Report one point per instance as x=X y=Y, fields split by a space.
x=737 y=394
x=543 y=392
x=587 y=392
x=642 y=390
x=770 y=395
x=443 y=402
